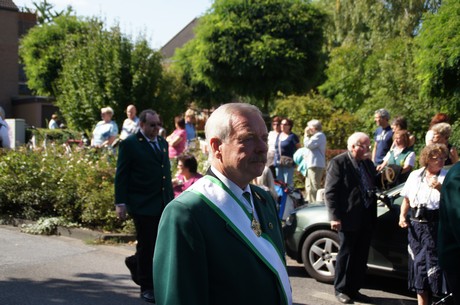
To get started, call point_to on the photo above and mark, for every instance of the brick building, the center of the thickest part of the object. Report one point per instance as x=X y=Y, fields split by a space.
x=15 y=97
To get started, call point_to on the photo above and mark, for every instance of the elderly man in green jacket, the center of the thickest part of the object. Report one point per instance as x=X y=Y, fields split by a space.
x=220 y=242
x=143 y=188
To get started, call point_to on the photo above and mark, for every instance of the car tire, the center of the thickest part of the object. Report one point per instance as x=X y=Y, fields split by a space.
x=319 y=254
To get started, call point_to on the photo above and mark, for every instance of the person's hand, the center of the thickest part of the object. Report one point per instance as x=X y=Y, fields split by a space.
x=379 y=167
x=434 y=183
x=121 y=211
x=403 y=222
x=336 y=225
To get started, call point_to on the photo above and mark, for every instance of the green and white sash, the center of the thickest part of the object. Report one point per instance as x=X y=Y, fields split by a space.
x=229 y=207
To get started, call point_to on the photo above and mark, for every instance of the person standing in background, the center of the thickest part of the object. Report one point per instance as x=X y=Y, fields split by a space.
x=421 y=195
x=437 y=118
x=400 y=123
x=131 y=123
x=106 y=131
x=4 y=130
x=177 y=140
x=315 y=143
x=383 y=136
x=352 y=208
x=143 y=188
x=449 y=231
x=286 y=144
x=53 y=124
x=272 y=136
x=190 y=126
x=441 y=134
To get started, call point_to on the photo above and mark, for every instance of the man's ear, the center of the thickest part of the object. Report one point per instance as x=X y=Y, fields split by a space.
x=214 y=144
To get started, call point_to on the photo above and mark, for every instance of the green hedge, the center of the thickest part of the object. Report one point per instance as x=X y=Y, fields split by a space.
x=51 y=182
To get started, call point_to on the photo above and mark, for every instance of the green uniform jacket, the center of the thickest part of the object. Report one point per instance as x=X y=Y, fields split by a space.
x=143 y=179
x=449 y=221
x=200 y=260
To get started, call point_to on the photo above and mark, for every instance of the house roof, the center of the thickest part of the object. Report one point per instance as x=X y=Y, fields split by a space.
x=181 y=38
x=8 y=5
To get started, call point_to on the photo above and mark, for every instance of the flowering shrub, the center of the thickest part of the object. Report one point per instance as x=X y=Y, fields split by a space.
x=53 y=182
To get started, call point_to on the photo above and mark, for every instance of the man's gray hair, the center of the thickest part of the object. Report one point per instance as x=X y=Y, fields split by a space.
x=316 y=124
x=354 y=138
x=219 y=124
x=383 y=113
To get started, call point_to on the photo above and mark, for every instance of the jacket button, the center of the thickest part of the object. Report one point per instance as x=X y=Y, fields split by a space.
x=270 y=226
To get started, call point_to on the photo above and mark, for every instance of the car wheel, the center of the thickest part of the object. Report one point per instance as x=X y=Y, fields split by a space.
x=319 y=254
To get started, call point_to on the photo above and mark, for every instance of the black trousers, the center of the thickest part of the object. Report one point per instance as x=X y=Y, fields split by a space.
x=453 y=281
x=351 y=263
x=146 y=235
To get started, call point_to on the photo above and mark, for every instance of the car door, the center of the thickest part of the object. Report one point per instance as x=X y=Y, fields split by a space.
x=388 y=251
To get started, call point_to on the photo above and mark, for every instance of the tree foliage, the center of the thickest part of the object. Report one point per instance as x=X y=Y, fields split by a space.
x=46 y=13
x=42 y=52
x=438 y=60
x=373 y=65
x=86 y=66
x=337 y=124
x=257 y=48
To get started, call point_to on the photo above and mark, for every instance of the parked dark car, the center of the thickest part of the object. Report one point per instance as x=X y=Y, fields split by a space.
x=310 y=240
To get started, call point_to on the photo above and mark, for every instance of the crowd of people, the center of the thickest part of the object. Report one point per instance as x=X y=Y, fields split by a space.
x=352 y=180
x=174 y=225
x=181 y=221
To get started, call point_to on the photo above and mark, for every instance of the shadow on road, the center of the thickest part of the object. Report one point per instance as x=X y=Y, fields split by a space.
x=88 y=289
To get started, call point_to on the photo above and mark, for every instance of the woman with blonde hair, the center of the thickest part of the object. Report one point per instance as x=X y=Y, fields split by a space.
x=106 y=130
x=441 y=135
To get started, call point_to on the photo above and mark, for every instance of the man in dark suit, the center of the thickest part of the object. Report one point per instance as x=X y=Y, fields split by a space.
x=220 y=241
x=143 y=188
x=449 y=230
x=352 y=210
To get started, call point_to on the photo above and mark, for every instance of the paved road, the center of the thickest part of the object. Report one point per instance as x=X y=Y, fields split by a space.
x=384 y=291
x=52 y=270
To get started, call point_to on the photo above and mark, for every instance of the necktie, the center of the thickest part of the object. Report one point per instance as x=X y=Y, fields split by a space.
x=255 y=225
x=156 y=148
x=365 y=184
x=247 y=196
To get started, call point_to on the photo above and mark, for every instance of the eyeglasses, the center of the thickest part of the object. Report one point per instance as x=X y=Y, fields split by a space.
x=155 y=125
x=434 y=158
x=363 y=146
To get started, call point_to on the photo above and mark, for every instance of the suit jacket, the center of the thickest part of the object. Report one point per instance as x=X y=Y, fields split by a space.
x=143 y=179
x=200 y=260
x=344 y=194
x=449 y=220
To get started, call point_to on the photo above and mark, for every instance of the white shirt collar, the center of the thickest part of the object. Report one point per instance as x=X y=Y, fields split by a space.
x=147 y=138
x=230 y=184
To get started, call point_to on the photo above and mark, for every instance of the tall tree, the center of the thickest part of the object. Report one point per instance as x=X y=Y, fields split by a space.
x=258 y=48
x=42 y=53
x=373 y=64
x=86 y=66
x=438 y=59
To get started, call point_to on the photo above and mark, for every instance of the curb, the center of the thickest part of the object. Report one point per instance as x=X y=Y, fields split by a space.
x=86 y=234
x=78 y=233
